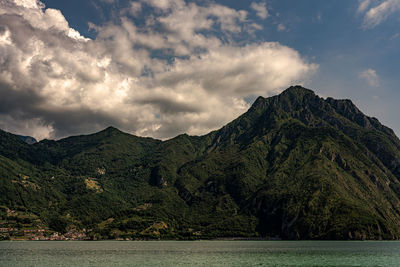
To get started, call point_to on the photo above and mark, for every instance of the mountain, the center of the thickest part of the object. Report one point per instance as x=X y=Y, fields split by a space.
x=28 y=139
x=294 y=166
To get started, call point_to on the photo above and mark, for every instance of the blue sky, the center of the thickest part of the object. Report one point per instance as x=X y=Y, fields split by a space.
x=339 y=48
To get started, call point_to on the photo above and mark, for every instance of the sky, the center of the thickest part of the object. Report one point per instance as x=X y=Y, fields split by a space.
x=160 y=68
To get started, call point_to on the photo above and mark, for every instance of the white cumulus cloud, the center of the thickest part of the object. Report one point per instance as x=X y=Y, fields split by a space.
x=179 y=71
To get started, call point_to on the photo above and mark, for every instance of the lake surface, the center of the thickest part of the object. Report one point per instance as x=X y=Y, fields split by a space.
x=199 y=253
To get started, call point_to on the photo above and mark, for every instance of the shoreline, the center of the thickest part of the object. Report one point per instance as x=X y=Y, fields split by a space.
x=200 y=240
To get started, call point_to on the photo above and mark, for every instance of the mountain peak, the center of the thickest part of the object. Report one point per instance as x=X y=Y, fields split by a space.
x=111 y=129
x=297 y=90
x=288 y=99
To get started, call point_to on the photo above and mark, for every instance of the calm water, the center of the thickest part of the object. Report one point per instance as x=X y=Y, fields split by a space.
x=199 y=253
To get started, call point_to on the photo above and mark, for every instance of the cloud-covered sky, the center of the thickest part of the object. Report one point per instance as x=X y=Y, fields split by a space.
x=164 y=67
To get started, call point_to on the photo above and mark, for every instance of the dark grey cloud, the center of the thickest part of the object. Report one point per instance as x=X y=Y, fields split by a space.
x=168 y=105
x=12 y=101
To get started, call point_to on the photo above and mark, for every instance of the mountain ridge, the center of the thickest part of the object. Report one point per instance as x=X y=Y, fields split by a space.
x=260 y=100
x=294 y=166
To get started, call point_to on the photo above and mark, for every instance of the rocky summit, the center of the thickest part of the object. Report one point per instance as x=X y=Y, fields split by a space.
x=294 y=166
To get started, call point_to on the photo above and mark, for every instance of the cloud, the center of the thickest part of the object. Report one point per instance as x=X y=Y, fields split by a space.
x=395 y=36
x=135 y=8
x=281 y=27
x=363 y=5
x=319 y=17
x=260 y=9
x=179 y=70
x=370 y=76
x=376 y=12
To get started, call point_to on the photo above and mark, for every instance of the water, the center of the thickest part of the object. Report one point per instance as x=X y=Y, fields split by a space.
x=199 y=253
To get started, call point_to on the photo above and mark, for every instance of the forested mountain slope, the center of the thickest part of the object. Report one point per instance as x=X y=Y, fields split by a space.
x=294 y=166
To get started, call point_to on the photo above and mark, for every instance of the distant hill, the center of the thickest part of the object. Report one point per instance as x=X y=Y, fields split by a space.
x=28 y=139
x=294 y=166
